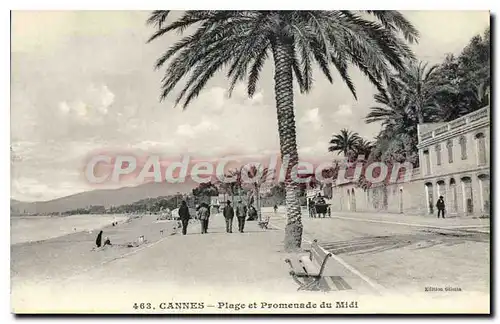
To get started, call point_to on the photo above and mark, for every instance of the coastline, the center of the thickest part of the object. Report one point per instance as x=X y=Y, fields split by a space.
x=63 y=256
x=26 y=229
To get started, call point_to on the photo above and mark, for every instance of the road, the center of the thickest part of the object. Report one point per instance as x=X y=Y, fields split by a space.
x=406 y=254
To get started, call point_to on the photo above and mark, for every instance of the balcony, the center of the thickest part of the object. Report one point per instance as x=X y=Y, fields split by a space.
x=473 y=117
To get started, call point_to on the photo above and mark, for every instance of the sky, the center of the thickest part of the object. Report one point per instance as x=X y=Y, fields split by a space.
x=83 y=81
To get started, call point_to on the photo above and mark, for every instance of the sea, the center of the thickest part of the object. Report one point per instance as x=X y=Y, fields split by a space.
x=39 y=228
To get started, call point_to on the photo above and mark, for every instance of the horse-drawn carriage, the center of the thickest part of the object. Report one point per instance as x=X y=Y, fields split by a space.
x=318 y=207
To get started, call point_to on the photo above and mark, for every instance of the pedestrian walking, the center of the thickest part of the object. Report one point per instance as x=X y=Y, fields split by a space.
x=228 y=213
x=275 y=208
x=203 y=216
x=184 y=216
x=440 y=206
x=320 y=205
x=241 y=213
x=197 y=215
x=312 y=208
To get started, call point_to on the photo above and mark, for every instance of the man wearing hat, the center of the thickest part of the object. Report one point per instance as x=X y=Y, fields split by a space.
x=228 y=213
x=241 y=213
x=440 y=206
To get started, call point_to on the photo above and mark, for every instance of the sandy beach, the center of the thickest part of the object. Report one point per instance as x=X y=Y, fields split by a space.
x=63 y=276
x=40 y=228
x=63 y=256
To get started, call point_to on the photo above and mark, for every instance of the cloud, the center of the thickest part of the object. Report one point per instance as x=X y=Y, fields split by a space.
x=94 y=103
x=103 y=98
x=58 y=112
x=343 y=111
x=196 y=130
x=311 y=118
x=318 y=149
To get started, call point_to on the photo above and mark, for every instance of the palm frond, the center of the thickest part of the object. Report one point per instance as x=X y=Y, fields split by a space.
x=240 y=41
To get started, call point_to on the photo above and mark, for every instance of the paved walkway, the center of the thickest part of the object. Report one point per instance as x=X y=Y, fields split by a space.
x=213 y=273
x=210 y=268
x=465 y=223
x=407 y=256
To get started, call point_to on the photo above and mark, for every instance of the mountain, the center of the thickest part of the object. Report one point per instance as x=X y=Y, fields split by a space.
x=104 y=197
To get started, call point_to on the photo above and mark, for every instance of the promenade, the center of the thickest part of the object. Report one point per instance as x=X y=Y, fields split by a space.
x=402 y=252
x=218 y=272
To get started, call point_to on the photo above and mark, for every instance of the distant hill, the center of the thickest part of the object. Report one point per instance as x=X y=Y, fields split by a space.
x=104 y=197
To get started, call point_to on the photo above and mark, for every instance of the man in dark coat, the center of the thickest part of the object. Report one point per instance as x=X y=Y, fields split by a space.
x=252 y=213
x=228 y=213
x=204 y=215
x=312 y=208
x=440 y=206
x=184 y=216
x=241 y=213
x=320 y=205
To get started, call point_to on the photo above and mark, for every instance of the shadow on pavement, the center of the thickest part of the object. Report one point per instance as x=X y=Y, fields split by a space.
x=423 y=239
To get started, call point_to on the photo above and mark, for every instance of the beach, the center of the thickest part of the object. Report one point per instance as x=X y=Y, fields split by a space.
x=39 y=228
x=36 y=262
x=64 y=275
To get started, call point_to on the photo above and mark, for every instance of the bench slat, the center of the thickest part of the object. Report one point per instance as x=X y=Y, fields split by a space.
x=320 y=253
x=296 y=267
x=311 y=267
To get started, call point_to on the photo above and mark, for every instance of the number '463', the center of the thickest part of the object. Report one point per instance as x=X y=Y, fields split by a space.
x=142 y=306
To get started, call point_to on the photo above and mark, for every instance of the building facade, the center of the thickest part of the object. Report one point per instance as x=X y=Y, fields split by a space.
x=454 y=161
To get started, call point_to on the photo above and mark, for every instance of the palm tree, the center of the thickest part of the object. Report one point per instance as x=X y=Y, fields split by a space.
x=257 y=180
x=481 y=95
x=394 y=112
x=345 y=142
x=364 y=147
x=230 y=187
x=422 y=86
x=391 y=105
x=295 y=41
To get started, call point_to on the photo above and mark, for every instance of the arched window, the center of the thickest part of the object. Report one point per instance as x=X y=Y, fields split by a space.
x=449 y=146
x=427 y=160
x=438 y=154
x=430 y=198
x=481 y=148
x=468 y=196
x=353 y=200
x=441 y=188
x=453 y=196
x=349 y=206
x=463 y=147
x=484 y=184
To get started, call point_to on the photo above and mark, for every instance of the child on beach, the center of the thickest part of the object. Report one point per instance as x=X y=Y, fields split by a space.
x=106 y=241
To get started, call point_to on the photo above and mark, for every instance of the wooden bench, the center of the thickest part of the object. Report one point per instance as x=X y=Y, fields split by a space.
x=308 y=271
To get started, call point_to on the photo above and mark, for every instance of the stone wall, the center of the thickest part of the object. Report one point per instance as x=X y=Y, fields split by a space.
x=414 y=197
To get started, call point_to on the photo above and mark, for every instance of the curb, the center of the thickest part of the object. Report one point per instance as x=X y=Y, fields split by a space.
x=381 y=290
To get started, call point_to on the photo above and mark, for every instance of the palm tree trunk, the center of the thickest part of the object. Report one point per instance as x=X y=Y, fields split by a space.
x=283 y=89
x=257 y=202
x=420 y=114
